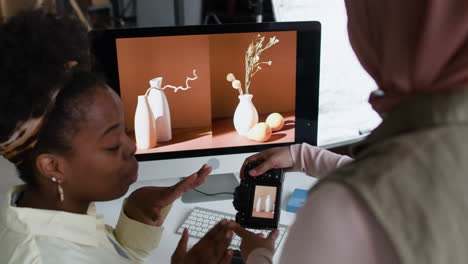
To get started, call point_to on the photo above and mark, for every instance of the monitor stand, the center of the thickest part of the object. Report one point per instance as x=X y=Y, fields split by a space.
x=217 y=187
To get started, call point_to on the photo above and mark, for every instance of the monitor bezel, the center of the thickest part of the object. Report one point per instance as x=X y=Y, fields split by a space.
x=103 y=46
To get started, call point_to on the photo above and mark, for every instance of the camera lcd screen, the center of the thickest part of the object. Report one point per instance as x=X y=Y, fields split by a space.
x=264 y=202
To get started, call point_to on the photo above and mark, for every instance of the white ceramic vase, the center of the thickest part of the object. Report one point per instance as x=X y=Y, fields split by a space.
x=258 y=206
x=145 y=126
x=245 y=116
x=160 y=107
x=267 y=204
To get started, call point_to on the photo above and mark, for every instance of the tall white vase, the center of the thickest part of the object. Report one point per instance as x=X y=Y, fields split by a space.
x=245 y=116
x=267 y=204
x=160 y=108
x=258 y=206
x=145 y=126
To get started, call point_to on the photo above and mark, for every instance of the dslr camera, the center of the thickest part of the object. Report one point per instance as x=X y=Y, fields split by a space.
x=258 y=199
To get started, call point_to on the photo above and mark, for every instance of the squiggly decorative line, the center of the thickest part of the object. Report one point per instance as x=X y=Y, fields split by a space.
x=179 y=87
x=186 y=83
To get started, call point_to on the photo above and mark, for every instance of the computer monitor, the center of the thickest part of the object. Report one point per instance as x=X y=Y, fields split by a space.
x=284 y=78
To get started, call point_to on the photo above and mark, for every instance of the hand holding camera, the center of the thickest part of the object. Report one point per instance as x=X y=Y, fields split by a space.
x=274 y=158
x=258 y=199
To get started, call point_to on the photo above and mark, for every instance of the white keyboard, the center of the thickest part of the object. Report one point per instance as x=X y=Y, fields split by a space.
x=201 y=220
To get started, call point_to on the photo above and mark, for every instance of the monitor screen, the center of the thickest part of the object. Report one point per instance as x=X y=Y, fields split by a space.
x=214 y=90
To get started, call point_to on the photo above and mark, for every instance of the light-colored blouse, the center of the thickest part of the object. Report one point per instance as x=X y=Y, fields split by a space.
x=37 y=236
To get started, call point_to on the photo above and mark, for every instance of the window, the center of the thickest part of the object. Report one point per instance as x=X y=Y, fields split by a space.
x=344 y=113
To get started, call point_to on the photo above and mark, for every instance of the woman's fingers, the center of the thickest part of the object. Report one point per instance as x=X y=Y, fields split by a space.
x=202 y=174
x=262 y=168
x=181 y=249
x=242 y=232
x=227 y=257
x=253 y=158
x=273 y=235
x=218 y=239
x=159 y=221
x=273 y=158
x=223 y=239
x=211 y=249
x=214 y=233
x=192 y=181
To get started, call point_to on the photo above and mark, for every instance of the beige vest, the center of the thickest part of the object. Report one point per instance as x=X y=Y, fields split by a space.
x=412 y=172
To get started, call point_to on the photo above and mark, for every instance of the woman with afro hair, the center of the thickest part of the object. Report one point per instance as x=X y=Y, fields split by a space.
x=63 y=128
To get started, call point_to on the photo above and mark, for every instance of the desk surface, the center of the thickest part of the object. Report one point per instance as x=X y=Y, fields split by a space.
x=222 y=134
x=179 y=210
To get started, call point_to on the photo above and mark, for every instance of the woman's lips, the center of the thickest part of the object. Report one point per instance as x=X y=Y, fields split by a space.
x=134 y=173
x=134 y=177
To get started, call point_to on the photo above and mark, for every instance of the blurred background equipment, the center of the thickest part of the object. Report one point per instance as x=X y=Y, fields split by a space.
x=102 y=14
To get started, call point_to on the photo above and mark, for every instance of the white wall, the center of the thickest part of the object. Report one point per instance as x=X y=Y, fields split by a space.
x=8 y=175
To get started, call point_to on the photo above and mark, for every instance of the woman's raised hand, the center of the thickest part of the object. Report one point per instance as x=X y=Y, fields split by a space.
x=145 y=204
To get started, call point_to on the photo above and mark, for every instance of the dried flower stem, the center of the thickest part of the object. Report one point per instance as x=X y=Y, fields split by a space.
x=236 y=84
x=187 y=86
x=252 y=58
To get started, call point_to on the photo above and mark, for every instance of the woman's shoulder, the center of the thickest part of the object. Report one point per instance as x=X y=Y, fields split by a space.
x=59 y=251
x=18 y=247
x=17 y=244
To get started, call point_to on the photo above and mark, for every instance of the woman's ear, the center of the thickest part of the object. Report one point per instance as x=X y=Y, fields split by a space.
x=50 y=166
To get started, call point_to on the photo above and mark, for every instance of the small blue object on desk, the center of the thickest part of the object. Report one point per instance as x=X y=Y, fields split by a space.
x=296 y=200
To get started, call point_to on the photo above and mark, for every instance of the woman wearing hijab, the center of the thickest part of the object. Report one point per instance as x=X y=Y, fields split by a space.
x=404 y=198
x=64 y=130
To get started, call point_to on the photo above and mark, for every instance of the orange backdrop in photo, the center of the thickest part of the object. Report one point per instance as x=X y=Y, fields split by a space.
x=264 y=191
x=273 y=87
x=174 y=59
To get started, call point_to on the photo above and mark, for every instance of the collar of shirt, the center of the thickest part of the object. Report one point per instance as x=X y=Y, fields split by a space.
x=418 y=113
x=77 y=228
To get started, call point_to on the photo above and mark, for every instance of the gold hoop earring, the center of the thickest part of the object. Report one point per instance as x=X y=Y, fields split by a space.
x=59 y=188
